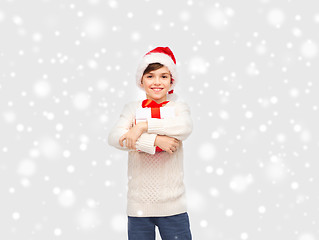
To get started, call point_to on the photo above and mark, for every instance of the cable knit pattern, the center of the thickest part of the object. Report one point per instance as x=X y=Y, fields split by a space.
x=155 y=180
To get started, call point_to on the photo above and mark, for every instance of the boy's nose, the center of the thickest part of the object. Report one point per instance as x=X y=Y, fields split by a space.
x=157 y=80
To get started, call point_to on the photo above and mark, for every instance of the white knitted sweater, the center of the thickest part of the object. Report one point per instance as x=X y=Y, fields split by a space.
x=155 y=179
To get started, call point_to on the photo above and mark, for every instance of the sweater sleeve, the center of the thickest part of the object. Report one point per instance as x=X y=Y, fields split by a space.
x=179 y=127
x=145 y=143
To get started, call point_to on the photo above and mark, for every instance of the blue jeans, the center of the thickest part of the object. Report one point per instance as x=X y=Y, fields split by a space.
x=170 y=228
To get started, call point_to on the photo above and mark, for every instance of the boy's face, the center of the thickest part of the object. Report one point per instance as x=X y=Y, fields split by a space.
x=156 y=84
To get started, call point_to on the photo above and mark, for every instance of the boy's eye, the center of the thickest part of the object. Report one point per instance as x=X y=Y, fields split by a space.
x=149 y=76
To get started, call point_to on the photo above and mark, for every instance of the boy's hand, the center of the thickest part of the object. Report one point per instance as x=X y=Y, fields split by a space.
x=168 y=144
x=133 y=134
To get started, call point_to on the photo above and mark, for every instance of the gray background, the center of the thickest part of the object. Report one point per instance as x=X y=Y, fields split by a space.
x=248 y=70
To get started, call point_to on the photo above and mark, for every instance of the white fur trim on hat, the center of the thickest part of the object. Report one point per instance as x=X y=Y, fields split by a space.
x=156 y=58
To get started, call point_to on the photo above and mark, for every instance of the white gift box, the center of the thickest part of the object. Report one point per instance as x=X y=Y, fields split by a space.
x=142 y=114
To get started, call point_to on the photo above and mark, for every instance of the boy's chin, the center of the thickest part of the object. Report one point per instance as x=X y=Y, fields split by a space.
x=157 y=94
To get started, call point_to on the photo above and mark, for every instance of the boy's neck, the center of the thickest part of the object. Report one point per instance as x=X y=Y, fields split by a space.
x=159 y=100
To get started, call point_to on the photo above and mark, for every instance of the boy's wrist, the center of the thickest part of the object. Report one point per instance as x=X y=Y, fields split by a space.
x=143 y=126
x=155 y=142
x=157 y=138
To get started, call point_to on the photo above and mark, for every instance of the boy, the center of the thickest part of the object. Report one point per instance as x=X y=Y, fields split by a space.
x=156 y=192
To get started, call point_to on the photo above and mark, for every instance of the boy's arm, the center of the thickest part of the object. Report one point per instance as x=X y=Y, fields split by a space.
x=179 y=127
x=145 y=142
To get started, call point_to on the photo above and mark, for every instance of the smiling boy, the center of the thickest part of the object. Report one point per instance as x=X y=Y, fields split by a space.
x=156 y=191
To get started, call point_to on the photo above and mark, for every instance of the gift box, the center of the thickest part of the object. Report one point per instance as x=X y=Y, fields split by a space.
x=142 y=114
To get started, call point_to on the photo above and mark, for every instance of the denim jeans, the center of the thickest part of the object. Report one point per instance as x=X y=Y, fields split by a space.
x=170 y=228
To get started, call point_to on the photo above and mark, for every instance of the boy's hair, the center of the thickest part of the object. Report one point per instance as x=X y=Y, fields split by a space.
x=152 y=67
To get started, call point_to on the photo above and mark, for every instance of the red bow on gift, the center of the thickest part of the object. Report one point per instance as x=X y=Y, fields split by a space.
x=155 y=107
x=155 y=111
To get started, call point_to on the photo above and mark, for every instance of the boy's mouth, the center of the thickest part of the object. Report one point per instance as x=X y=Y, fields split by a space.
x=157 y=89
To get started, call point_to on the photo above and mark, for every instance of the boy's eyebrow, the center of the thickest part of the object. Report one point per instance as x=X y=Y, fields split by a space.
x=160 y=73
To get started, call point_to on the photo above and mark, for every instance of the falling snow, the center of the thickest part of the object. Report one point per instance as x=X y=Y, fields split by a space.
x=248 y=71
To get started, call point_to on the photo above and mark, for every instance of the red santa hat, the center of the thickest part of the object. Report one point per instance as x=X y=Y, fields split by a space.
x=162 y=55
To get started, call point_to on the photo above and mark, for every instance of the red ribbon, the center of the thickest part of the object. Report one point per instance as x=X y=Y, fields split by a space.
x=155 y=111
x=152 y=104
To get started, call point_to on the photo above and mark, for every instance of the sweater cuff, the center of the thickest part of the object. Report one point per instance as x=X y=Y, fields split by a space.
x=155 y=126
x=145 y=143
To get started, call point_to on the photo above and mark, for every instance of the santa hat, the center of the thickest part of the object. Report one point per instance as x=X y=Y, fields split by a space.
x=162 y=55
